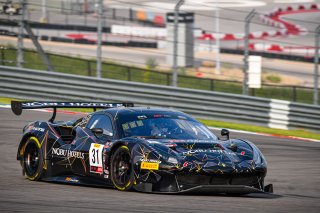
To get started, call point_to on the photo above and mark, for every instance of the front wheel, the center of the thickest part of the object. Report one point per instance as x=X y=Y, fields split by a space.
x=33 y=159
x=121 y=170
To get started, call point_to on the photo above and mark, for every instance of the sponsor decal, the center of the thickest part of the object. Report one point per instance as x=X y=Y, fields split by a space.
x=149 y=166
x=71 y=179
x=67 y=153
x=70 y=104
x=242 y=153
x=151 y=160
x=191 y=152
x=95 y=158
x=96 y=169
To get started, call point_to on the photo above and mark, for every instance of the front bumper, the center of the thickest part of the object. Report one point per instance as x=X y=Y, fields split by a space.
x=221 y=183
x=209 y=189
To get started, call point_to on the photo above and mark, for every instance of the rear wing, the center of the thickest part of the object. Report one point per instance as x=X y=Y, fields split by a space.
x=18 y=106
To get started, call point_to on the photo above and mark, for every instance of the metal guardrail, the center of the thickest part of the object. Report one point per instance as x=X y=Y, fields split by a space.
x=41 y=85
x=80 y=66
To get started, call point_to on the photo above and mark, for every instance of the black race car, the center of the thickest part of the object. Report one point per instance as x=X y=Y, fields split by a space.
x=137 y=148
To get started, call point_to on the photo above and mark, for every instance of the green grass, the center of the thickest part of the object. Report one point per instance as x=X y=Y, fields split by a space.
x=221 y=124
x=87 y=67
x=273 y=78
x=297 y=133
x=4 y=100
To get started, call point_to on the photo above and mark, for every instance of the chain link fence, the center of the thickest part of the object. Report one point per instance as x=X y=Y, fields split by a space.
x=87 y=67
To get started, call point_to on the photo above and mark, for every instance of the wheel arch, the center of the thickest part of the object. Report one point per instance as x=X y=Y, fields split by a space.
x=112 y=150
x=22 y=144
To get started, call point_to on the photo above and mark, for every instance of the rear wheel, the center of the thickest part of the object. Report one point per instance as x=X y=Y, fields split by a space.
x=33 y=159
x=121 y=169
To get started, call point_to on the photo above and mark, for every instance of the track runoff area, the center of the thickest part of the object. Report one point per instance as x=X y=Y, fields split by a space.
x=292 y=168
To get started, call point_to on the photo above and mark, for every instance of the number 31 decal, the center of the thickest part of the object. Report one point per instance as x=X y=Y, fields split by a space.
x=95 y=158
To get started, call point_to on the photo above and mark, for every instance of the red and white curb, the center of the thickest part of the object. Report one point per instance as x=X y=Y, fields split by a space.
x=303 y=50
x=273 y=19
x=66 y=112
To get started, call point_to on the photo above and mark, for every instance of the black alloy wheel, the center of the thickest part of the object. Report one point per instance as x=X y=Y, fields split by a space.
x=121 y=169
x=33 y=159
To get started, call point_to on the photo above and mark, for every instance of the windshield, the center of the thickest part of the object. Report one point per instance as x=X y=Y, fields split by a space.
x=166 y=128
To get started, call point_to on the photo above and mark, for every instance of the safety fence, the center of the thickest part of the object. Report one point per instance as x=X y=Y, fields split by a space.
x=41 y=85
x=87 y=67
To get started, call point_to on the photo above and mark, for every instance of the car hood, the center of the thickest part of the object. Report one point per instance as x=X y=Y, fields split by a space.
x=208 y=156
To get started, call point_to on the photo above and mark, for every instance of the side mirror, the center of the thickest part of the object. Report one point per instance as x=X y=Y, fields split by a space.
x=99 y=132
x=225 y=132
x=107 y=133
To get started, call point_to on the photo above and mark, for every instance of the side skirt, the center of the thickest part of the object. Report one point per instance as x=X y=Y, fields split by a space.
x=78 y=180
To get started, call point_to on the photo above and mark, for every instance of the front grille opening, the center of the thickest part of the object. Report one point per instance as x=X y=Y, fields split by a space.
x=198 y=179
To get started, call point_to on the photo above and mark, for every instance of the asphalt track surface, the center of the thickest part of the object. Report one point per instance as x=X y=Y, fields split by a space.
x=293 y=169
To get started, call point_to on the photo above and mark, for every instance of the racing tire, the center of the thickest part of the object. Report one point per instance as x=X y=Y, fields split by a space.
x=121 y=169
x=32 y=161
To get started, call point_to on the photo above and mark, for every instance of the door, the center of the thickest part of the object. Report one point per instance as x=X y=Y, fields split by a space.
x=90 y=140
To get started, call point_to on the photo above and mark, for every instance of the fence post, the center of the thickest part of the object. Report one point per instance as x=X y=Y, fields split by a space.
x=168 y=79
x=294 y=98
x=2 y=55
x=253 y=92
x=45 y=17
x=211 y=85
x=246 y=51
x=316 y=65
x=99 y=40
x=129 y=73
x=89 y=68
x=175 y=43
x=20 y=54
